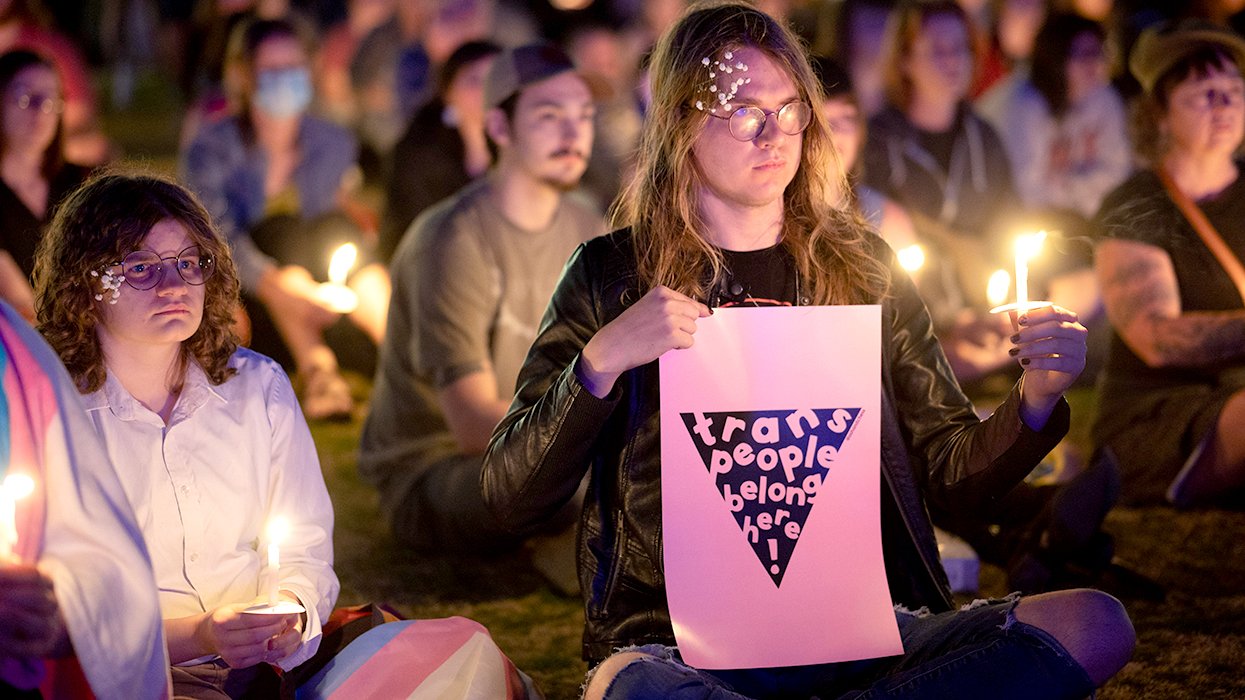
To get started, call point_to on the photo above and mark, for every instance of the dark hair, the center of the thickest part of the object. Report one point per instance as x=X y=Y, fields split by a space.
x=95 y=226
x=11 y=64
x=835 y=81
x=1200 y=62
x=1051 y=50
x=464 y=55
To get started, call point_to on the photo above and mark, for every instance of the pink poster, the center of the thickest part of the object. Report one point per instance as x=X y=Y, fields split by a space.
x=770 y=442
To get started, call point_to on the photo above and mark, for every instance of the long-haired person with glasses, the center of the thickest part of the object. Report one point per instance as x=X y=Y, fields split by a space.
x=34 y=176
x=729 y=206
x=135 y=291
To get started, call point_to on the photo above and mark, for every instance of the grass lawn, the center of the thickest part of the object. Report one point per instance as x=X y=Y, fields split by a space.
x=1191 y=646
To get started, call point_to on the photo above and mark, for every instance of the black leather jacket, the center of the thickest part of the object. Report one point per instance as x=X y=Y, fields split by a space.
x=933 y=448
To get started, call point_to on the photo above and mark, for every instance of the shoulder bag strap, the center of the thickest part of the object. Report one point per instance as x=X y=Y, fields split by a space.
x=1205 y=230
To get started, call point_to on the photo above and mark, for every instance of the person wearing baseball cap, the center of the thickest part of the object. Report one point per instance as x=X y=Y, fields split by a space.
x=471 y=280
x=1172 y=401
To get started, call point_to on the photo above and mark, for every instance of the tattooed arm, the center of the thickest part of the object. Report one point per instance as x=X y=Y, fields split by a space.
x=1142 y=299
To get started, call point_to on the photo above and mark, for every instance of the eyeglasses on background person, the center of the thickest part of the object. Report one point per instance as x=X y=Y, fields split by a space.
x=1204 y=100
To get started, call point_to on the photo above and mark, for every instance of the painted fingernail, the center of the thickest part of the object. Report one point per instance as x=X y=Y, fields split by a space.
x=1014 y=352
x=1015 y=338
x=1024 y=320
x=1025 y=362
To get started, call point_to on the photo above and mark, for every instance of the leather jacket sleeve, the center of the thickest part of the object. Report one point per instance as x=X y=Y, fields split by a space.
x=542 y=448
x=962 y=461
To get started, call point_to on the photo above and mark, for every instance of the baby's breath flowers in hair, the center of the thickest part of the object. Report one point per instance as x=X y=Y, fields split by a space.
x=721 y=91
x=109 y=283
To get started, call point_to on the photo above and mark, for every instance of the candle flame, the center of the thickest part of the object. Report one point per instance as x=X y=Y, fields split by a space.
x=343 y=259
x=1028 y=246
x=911 y=258
x=277 y=529
x=18 y=486
x=998 y=286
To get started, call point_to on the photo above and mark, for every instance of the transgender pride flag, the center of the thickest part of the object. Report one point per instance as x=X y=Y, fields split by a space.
x=77 y=528
x=445 y=659
x=27 y=410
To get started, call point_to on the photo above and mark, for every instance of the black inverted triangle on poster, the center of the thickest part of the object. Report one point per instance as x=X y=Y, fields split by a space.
x=768 y=466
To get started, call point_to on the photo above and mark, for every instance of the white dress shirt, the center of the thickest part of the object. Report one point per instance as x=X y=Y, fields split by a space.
x=205 y=486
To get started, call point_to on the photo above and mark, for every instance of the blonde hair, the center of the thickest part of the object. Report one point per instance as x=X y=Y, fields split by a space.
x=826 y=240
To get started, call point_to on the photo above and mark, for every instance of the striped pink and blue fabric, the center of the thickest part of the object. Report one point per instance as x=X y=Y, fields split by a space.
x=28 y=409
x=444 y=659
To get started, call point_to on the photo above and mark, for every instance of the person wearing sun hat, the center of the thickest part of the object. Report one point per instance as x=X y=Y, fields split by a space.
x=1160 y=48
x=471 y=279
x=1172 y=396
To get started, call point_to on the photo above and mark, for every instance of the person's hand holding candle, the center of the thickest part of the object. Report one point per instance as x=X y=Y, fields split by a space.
x=243 y=640
x=31 y=625
x=1050 y=346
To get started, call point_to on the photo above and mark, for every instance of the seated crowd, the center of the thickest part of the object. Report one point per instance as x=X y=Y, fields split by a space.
x=509 y=222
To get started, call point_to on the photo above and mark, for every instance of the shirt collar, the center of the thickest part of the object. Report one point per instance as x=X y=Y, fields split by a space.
x=196 y=391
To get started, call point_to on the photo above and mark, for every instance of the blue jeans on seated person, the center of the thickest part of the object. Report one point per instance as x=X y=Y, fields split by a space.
x=980 y=651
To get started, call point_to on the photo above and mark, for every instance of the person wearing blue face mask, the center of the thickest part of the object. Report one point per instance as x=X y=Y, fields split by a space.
x=283 y=92
x=276 y=179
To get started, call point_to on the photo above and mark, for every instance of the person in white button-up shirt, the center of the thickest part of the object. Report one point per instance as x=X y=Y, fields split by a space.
x=135 y=292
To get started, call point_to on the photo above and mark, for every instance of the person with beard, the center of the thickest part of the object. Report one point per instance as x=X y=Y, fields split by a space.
x=470 y=282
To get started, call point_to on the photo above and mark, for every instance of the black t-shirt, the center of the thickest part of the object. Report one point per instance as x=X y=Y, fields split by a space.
x=940 y=144
x=1140 y=210
x=22 y=230
x=763 y=277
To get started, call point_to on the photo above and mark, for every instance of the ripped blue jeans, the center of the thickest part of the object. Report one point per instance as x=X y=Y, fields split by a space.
x=979 y=651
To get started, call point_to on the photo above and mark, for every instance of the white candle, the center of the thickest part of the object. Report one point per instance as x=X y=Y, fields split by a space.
x=277 y=528
x=1027 y=248
x=14 y=488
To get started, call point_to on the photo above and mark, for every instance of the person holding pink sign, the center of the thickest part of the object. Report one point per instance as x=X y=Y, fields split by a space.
x=728 y=208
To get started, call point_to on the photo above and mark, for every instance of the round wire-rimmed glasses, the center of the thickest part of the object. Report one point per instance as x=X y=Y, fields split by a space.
x=748 y=123
x=143 y=269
